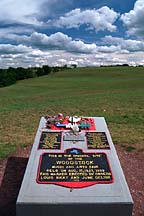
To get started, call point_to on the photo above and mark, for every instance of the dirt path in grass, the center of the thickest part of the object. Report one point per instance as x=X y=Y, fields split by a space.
x=12 y=171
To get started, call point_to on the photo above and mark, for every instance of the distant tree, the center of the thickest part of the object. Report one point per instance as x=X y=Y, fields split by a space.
x=12 y=72
x=20 y=73
x=46 y=69
x=65 y=66
x=39 y=71
x=30 y=73
x=56 y=69
x=74 y=65
x=11 y=75
x=125 y=65
x=7 y=77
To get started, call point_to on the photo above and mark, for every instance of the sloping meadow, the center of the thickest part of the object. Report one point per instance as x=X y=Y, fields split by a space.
x=117 y=93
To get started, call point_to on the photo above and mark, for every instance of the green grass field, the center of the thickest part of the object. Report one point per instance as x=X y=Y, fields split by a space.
x=117 y=93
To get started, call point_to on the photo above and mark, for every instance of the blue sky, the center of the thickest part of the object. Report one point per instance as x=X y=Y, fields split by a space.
x=58 y=32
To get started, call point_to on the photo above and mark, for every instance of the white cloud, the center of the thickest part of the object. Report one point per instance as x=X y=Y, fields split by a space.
x=54 y=58
x=21 y=19
x=60 y=41
x=56 y=41
x=62 y=61
x=109 y=49
x=96 y=19
x=124 y=44
x=20 y=11
x=13 y=49
x=80 y=46
x=10 y=32
x=60 y=49
x=29 y=12
x=134 y=19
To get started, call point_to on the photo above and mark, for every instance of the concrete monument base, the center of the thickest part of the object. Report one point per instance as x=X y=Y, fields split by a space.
x=104 y=192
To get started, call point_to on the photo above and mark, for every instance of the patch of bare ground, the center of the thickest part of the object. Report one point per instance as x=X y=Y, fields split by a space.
x=133 y=167
x=13 y=168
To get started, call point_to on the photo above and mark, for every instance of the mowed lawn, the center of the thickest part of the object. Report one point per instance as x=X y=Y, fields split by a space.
x=117 y=93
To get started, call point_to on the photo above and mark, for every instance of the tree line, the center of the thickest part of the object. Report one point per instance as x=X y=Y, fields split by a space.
x=11 y=75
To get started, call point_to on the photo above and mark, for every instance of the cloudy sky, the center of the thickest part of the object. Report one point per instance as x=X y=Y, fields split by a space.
x=58 y=32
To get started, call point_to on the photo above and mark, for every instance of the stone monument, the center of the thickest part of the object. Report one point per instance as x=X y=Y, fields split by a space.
x=73 y=169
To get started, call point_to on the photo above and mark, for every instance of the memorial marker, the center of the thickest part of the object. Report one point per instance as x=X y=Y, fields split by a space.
x=97 y=140
x=50 y=140
x=73 y=169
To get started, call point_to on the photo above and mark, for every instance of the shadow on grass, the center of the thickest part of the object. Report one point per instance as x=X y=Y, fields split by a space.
x=10 y=186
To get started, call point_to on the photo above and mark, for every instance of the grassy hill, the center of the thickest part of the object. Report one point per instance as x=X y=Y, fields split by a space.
x=117 y=93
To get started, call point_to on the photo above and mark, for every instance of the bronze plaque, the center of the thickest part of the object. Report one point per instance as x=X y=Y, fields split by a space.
x=74 y=169
x=50 y=140
x=97 y=140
